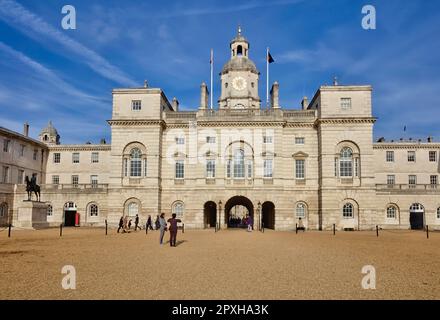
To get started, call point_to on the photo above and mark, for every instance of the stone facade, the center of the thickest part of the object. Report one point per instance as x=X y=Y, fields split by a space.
x=319 y=163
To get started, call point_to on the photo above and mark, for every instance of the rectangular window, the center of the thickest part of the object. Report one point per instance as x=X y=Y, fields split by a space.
x=412 y=181
x=5 y=175
x=299 y=140
x=180 y=169
x=75 y=180
x=136 y=105
x=56 y=157
x=411 y=156
x=20 y=177
x=210 y=139
x=345 y=103
x=75 y=157
x=210 y=169
x=55 y=179
x=390 y=156
x=6 y=144
x=433 y=156
x=35 y=154
x=228 y=168
x=300 y=169
x=268 y=169
x=434 y=180
x=94 y=181
x=95 y=157
x=22 y=148
x=391 y=180
x=346 y=168
x=249 y=169
x=180 y=140
x=267 y=139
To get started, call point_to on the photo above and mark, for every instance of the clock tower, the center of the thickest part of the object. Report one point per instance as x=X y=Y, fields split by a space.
x=239 y=78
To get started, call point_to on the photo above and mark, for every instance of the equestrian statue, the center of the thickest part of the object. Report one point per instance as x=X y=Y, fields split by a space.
x=32 y=186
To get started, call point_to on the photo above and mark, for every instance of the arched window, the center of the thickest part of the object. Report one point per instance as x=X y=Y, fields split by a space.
x=133 y=209
x=391 y=212
x=346 y=162
x=239 y=51
x=135 y=163
x=239 y=164
x=93 y=210
x=49 y=210
x=300 y=210
x=347 y=211
x=178 y=209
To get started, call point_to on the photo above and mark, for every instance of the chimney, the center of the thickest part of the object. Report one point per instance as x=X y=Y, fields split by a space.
x=204 y=94
x=305 y=103
x=430 y=139
x=175 y=104
x=145 y=84
x=103 y=141
x=274 y=95
x=26 y=129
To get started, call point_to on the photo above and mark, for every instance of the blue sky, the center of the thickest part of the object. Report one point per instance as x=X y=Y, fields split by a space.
x=48 y=73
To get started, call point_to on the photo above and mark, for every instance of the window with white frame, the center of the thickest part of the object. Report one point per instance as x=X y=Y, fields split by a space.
x=135 y=163
x=267 y=139
x=346 y=163
x=391 y=212
x=95 y=157
x=136 y=105
x=299 y=140
x=301 y=210
x=133 y=209
x=210 y=139
x=348 y=211
x=434 y=180
x=239 y=164
x=391 y=180
x=180 y=169
x=390 y=156
x=75 y=180
x=93 y=210
x=300 y=169
x=228 y=168
x=55 y=179
x=125 y=167
x=178 y=209
x=20 y=177
x=412 y=181
x=75 y=157
x=49 y=211
x=180 y=140
x=411 y=156
x=210 y=168
x=249 y=169
x=268 y=168
x=94 y=181
x=56 y=157
x=432 y=156
x=345 y=103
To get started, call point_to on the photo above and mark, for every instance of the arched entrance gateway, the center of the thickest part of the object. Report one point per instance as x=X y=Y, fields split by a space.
x=210 y=214
x=268 y=217
x=236 y=210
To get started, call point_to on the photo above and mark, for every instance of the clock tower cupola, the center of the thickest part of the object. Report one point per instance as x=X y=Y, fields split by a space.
x=239 y=78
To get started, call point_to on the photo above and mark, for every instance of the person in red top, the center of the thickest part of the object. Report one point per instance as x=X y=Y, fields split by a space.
x=173 y=229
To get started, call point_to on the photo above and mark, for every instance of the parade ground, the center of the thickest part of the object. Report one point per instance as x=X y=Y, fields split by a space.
x=229 y=264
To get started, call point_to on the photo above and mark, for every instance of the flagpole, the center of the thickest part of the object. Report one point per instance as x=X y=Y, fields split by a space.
x=267 y=77
x=212 y=74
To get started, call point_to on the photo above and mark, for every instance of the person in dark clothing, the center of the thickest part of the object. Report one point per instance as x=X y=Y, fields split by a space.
x=136 y=223
x=129 y=224
x=121 y=224
x=157 y=223
x=173 y=229
x=149 y=223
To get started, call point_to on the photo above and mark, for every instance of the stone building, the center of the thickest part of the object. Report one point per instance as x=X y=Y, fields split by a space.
x=213 y=166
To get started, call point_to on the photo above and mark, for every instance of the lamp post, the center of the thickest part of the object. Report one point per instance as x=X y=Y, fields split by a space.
x=259 y=215
x=219 y=214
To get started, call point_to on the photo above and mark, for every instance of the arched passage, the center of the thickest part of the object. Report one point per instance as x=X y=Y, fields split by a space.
x=236 y=210
x=210 y=214
x=417 y=216
x=268 y=217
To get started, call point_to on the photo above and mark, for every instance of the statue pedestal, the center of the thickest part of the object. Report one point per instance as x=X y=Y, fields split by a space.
x=32 y=214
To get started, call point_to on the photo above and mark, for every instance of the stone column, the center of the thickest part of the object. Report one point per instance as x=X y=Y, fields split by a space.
x=274 y=95
x=204 y=95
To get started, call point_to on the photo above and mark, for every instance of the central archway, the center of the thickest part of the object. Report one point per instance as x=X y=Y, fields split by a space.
x=236 y=210
x=210 y=214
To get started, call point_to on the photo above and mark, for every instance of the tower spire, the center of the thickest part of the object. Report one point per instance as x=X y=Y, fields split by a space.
x=239 y=30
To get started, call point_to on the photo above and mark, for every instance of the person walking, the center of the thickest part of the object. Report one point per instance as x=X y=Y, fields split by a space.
x=149 y=223
x=157 y=223
x=121 y=223
x=136 y=223
x=129 y=224
x=173 y=229
x=250 y=223
x=162 y=227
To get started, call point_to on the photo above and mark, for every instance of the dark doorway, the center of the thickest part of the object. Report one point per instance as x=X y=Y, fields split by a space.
x=69 y=218
x=416 y=216
x=237 y=209
x=210 y=214
x=268 y=217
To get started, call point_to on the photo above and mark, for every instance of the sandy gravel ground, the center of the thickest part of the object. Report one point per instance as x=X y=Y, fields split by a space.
x=230 y=264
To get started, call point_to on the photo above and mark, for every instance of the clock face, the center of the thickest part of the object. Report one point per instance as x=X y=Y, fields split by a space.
x=239 y=83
